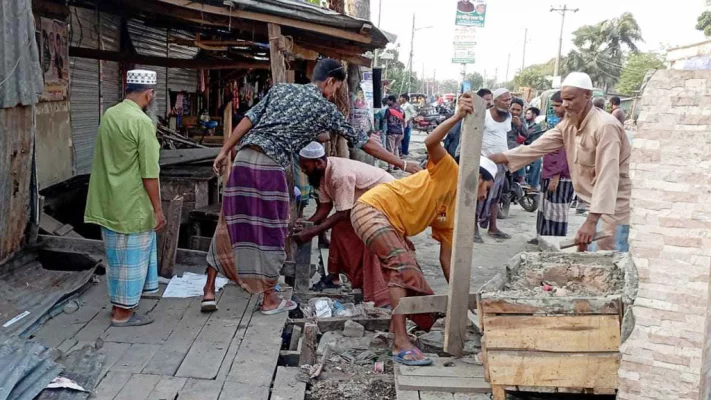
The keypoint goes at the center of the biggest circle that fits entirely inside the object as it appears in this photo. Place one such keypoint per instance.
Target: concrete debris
(340, 344)
(353, 329)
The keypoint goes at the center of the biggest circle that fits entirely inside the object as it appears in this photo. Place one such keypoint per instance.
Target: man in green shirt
(124, 198)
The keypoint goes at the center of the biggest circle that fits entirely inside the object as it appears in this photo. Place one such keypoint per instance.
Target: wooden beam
(302, 272)
(272, 19)
(184, 156)
(464, 225)
(428, 304)
(168, 238)
(107, 55)
(66, 244)
(309, 343)
(339, 54)
(276, 54)
(303, 53)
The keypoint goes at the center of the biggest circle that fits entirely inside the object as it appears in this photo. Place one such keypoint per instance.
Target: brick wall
(668, 355)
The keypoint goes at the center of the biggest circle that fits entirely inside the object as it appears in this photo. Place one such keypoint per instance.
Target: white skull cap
(141, 77)
(500, 92)
(488, 165)
(312, 150)
(579, 80)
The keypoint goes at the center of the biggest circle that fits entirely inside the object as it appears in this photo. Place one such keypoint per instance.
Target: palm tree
(600, 48)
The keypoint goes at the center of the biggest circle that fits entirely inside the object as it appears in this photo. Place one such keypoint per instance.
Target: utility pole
(525, 41)
(562, 12)
(508, 62)
(496, 76)
(423, 78)
(412, 50)
(380, 13)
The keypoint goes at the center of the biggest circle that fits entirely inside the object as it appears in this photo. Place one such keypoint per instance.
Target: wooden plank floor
(185, 354)
(445, 379)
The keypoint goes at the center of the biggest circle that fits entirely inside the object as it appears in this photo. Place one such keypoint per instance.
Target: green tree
(534, 77)
(600, 48)
(704, 23)
(637, 66)
(448, 86)
(476, 80)
(397, 73)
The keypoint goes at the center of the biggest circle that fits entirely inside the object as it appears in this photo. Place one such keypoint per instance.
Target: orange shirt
(427, 198)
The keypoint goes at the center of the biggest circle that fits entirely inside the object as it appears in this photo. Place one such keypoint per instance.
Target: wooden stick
(464, 225)
(568, 243)
(302, 272)
(308, 345)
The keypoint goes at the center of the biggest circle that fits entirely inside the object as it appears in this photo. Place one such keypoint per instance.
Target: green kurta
(126, 152)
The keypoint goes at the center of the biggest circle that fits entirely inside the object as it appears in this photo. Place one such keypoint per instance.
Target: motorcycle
(430, 117)
(514, 192)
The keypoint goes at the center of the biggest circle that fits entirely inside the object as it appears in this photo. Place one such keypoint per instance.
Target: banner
(463, 54)
(471, 13)
(465, 35)
(54, 59)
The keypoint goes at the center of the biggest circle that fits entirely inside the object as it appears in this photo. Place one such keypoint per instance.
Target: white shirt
(494, 140)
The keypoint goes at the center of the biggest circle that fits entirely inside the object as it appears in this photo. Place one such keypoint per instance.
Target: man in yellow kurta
(598, 153)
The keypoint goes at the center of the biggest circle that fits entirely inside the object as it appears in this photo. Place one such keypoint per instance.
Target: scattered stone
(70, 307)
(353, 329)
(382, 341)
(340, 344)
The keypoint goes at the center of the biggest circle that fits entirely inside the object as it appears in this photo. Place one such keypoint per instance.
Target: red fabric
(349, 256)
(520, 139)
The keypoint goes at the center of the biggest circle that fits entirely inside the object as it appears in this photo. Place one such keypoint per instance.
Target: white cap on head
(579, 80)
(500, 92)
(312, 150)
(489, 166)
(141, 77)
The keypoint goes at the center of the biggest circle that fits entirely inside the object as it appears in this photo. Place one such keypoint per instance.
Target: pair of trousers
(405, 146)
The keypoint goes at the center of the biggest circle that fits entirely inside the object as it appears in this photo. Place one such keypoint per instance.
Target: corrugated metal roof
(21, 79)
(310, 13)
(27, 368)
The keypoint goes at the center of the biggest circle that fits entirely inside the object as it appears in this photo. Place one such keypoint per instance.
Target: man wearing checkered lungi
(124, 197)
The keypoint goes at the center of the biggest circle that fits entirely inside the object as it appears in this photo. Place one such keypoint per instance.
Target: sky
(670, 25)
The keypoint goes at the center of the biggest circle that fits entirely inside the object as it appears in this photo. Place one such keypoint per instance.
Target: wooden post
(276, 53)
(302, 271)
(308, 345)
(168, 239)
(460, 273)
(226, 133)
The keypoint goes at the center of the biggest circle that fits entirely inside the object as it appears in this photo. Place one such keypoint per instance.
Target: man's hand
(585, 235)
(160, 221)
(304, 235)
(466, 106)
(499, 158)
(516, 120)
(220, 162)
(413, 168)
(553, 184)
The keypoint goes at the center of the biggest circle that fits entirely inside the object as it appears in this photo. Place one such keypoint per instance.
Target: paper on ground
(191, 285)
(65, 383)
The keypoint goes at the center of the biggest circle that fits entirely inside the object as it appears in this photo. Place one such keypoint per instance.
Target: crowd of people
(370, 214)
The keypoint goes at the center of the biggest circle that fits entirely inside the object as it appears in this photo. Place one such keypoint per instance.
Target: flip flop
(135, 320)
(284, 306)
(208, 306)
(500, 235)
(325, 283)
(400, 358)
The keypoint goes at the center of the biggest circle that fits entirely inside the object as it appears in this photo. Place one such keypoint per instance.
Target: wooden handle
(568, 243)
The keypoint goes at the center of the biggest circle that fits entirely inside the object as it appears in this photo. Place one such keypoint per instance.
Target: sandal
(478, 239)
(401, 358)
(135, 320)
(500, 235)
(208, 305)
(284, 306)
(326, 282)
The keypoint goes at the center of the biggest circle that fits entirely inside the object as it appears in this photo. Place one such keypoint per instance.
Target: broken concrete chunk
(353, 329)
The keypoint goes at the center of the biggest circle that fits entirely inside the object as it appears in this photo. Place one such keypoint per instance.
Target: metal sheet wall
(111, 92)
(150, 41)
(84, 89)
(181, 79)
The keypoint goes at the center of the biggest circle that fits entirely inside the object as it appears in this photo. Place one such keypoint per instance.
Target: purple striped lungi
(249, 242)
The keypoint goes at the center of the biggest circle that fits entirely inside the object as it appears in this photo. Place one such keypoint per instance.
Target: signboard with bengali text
(471, 13)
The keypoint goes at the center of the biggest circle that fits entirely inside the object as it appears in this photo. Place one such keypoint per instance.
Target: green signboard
(471, 13)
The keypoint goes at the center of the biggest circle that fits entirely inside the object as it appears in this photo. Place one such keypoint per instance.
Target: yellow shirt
(424, 199)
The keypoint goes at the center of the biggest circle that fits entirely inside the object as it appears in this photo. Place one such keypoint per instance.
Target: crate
(564, 342)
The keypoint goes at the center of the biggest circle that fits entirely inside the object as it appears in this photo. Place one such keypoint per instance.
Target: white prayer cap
(312, 150)
(579, 80)
(500, 92)
(489, 166)
(141, 77)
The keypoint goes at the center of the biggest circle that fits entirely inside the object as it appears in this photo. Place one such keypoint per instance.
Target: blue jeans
(534, 174)
(622, 233)
(405, 147)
